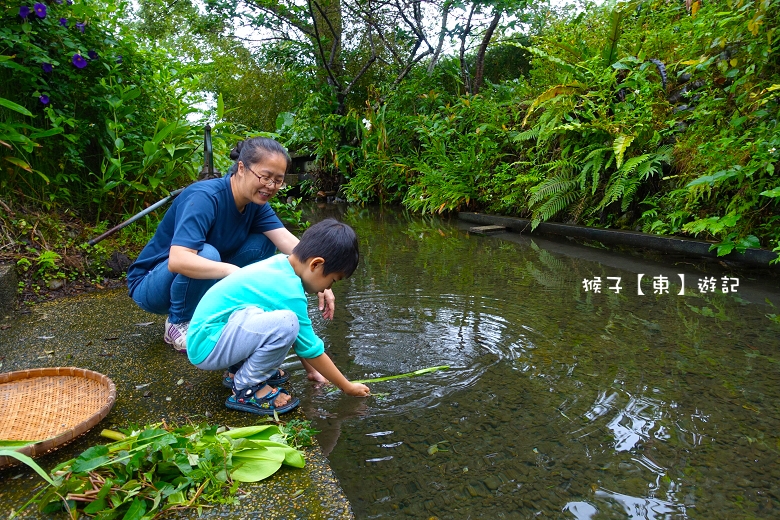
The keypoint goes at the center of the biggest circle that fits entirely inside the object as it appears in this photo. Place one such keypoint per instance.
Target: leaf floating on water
(180, 382)
(48, 352)
(435, 448)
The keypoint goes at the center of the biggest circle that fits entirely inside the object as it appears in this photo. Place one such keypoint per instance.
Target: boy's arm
(324, 365)
(311, 374)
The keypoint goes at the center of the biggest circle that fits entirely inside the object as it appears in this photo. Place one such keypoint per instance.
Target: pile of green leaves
(161, 468)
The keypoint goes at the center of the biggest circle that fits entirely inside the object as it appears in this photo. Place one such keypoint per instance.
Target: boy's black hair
(335, 242)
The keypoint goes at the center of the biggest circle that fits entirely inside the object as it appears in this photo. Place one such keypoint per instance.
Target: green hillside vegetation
(645, 115)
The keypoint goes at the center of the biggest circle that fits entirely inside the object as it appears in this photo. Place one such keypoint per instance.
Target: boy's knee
(287, 323)
(290, 321)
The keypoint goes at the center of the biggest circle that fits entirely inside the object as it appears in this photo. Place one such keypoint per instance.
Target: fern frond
(593, 163)
(620, 145)
(552, 207)
(629, 190)
(630, 165)
(532, 133)
(552, 187)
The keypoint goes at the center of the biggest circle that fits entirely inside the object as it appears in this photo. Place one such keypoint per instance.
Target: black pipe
(666, 244)
(135, 217)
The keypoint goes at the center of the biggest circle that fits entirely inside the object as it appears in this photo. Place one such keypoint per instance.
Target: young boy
(253, 316)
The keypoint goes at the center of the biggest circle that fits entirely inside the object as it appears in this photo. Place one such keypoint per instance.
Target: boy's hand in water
(357, 390)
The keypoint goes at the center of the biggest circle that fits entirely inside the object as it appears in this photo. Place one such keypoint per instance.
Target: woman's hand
(327, 303)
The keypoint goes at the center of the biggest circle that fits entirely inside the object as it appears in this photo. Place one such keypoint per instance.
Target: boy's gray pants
(260, 339)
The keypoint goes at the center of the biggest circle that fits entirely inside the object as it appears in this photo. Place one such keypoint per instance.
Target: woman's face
(260, 181)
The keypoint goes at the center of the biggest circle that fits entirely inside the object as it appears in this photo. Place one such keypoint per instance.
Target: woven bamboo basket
(52, 406)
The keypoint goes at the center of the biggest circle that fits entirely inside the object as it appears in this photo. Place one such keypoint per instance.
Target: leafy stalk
(407, 374)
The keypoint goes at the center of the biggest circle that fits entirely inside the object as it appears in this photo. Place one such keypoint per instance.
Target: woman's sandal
(278, 378)
(245, 400)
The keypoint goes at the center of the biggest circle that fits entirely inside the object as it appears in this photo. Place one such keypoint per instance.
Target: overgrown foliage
(646, 115)
(649, 115)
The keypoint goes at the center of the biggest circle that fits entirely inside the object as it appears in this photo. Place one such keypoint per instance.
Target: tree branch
(332, 78)
(480, 60)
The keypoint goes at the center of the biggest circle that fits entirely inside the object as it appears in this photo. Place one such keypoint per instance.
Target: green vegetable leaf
(92, 458)
(254, 465)
(136, 511)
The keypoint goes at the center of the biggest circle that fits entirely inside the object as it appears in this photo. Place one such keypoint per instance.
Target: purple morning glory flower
(80, 26)
(47, 67)
(40, 9)
(24, 11)
(119, 58)
(64, 22)
(79, 61)
(44, 99)
(92, 54)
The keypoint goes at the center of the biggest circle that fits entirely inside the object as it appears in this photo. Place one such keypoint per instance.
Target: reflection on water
(559, 402)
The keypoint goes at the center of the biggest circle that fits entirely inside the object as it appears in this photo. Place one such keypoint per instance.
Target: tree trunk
(464, 73)
(442, 34)
(479, 67)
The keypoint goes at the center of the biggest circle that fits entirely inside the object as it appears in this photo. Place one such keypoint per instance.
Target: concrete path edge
(752, 257)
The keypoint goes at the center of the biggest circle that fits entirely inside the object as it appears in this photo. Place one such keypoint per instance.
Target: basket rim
(46, 445)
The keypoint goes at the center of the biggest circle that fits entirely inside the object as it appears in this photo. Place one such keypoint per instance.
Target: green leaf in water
(435, 448)
(420, 372)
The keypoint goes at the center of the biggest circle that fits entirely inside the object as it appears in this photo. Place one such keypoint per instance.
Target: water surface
(559, 402)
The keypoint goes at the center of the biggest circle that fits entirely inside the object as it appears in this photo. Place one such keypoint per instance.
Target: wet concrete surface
(106, 332)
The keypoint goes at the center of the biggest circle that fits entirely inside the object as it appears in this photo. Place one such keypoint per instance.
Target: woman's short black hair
(335, 242)
(254, 150)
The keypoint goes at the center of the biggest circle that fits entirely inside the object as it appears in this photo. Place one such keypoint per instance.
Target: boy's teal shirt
(271, 285)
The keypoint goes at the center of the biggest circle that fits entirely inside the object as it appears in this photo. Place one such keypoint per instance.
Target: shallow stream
(559, 402)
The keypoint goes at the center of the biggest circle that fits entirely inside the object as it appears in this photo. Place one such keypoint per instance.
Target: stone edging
(668, 244)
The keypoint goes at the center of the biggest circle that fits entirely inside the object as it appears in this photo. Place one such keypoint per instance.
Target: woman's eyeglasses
(264, 179)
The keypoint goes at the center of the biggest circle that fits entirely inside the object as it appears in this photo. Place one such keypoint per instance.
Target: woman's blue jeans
(164, 292)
